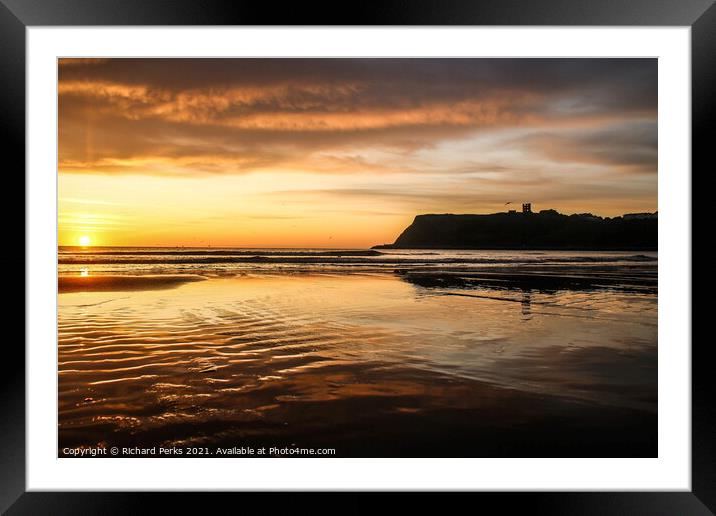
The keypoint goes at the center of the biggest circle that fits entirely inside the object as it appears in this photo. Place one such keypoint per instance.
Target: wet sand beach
(547, 356)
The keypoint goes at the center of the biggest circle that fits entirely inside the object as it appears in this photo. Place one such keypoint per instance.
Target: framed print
(420, 249)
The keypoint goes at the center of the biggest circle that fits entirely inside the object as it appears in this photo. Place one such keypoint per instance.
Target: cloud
(64, 62)
(233, 116)
(406, 82)
(630, 147)
(473, 194)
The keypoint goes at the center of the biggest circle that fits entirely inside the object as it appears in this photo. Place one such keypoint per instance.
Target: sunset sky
(343, 152)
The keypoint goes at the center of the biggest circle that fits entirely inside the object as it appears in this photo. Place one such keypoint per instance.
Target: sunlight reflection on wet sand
(297, 356)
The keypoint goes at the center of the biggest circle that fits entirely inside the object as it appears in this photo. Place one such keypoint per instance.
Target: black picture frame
(17, 15)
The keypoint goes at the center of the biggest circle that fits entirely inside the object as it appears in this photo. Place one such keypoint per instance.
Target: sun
(84, 240)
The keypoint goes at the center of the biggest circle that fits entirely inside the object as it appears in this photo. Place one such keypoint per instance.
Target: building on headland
(527, 207)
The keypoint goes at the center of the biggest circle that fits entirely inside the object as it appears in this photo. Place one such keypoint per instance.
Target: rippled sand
(384, 364)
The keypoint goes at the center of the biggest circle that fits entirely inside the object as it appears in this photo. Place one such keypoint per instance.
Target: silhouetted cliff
(547, 229)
